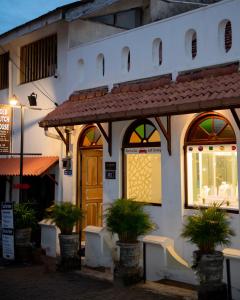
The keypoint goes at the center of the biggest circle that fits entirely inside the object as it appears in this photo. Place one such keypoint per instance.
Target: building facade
(151, 113)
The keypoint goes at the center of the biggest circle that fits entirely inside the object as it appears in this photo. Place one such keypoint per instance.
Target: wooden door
(91, 186)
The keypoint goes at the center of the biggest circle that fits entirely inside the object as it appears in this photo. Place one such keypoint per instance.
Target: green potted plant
(24, 221)
(128, 219)
(65, 215)
(207, 229)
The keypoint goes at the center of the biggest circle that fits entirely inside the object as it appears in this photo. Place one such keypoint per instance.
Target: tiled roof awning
(32, 166)
(217, 88)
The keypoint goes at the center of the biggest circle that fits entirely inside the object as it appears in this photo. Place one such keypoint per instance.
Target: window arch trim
(144, 140)
(213, 137)
(93, 142)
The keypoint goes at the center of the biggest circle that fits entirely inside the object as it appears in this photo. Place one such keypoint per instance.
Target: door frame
(80, 150)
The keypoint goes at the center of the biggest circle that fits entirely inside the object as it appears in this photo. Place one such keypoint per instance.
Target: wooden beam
(61, 135)
(236, 117)
(166, 132)
(51, 177)
(107, 137)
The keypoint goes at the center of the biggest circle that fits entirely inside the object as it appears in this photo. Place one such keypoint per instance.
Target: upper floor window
(39, 59)
(157, 52)
(126, 59)
(101, 65)
(4, 59)
(142, 162)
(191, 43)
(228, 36)
(211, 161)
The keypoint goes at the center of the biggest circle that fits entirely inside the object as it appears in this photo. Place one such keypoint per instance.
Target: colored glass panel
(200, 134)
(86, 142)
(135, 138)
(207, 125)
(99, 142)
(90, 135)
(140, 130)
(227, 133)
(149, 130)
(155, 137)
(218, 125)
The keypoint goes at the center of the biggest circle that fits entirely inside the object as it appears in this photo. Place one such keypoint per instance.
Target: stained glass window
(211, 158)
(142, 133)
(91, 137)
(142, 162)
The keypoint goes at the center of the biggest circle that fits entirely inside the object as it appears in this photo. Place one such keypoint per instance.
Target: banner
(5, 128)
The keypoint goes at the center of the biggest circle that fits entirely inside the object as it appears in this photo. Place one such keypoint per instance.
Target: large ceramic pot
(69, 245)
(127, 271)
(209, 269)
(23, 237)
(129, 254)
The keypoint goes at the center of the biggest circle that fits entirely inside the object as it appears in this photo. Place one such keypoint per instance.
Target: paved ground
(32, 283)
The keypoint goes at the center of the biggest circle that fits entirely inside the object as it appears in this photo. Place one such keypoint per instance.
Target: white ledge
(93, 229)
(231, 253)
(47, 222)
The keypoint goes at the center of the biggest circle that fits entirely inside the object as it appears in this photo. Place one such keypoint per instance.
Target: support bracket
(66, 139)
(236, 117)
(107, 136)
(166, 132)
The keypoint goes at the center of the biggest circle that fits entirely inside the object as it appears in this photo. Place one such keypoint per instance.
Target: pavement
(31, 282)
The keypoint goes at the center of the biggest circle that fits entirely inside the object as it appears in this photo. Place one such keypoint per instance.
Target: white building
(153, 114)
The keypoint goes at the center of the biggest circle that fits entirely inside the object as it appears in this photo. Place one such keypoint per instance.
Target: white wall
(205, 21)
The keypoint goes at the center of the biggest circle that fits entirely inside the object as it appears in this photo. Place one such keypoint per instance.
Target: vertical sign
(5, 128)
(7, 231)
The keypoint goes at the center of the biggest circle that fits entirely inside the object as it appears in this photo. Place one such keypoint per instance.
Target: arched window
(157, 52)
(91, 137)
(191, 43)
(81, 70)
(211, 162)
(142, 162)
(228, 36)
(126, 59)
(225, 35)
(101, 65)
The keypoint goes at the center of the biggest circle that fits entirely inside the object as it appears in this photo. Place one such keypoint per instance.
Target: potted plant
(65, 215)
(24, 221)
(128, 219)
(207, 229)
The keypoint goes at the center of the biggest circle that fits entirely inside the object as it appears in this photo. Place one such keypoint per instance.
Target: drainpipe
(51, 135)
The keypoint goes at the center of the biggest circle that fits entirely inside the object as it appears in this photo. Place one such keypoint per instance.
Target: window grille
(39, 59)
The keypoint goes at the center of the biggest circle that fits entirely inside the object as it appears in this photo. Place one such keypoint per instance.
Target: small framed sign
(110, 170)
(8, 231)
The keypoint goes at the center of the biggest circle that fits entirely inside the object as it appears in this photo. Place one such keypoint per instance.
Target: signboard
(68, 172)
(110, 170)
(147, 150)
(21, 186)
(7, 230)
(5, 128)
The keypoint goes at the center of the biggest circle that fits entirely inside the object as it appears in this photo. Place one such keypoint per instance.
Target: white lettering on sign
(3, 111)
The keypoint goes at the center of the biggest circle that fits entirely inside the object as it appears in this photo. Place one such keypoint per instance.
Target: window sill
(232, 211)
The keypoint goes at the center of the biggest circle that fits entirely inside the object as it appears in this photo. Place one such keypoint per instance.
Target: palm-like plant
(24, 216)
(128, 219)
(208, 228)
(65, 215)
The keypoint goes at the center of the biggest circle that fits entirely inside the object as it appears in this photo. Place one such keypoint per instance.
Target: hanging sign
(21, 186)
(7, 231)
(5, 128)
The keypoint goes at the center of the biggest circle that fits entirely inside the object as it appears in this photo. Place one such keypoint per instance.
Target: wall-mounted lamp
(32, 99)
(13, 101)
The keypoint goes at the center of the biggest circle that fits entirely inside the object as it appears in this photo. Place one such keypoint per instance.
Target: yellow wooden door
(92, 186)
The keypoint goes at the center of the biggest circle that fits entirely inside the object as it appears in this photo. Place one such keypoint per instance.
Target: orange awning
(32, 166)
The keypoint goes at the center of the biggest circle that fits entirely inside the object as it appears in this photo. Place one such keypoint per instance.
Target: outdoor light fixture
(32, 99)
(13, 101)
